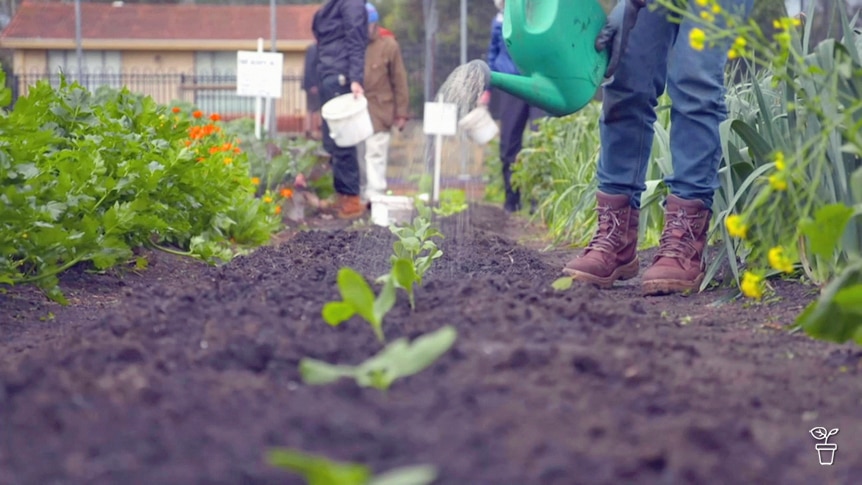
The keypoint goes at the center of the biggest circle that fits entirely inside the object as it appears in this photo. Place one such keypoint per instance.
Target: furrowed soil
(187, 374)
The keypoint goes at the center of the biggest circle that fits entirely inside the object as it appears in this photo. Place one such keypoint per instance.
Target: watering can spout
(563, 30)
(537, 90)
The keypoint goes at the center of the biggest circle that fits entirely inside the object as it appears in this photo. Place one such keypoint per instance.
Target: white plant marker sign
(259, 74)
(441, 119)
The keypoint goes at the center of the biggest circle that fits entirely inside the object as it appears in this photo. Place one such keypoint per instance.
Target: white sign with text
(259, 74)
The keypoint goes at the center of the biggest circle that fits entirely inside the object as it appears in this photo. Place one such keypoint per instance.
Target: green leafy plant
(88, 177)
(414, 251)
(398, 359)
(358, 299)
(452, 201)
(317, 470)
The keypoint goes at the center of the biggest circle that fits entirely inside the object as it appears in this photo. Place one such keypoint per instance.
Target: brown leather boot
(349, 206)
(612, 254)
(679, 264)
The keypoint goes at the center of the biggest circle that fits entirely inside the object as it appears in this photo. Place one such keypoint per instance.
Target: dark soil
(187, 374)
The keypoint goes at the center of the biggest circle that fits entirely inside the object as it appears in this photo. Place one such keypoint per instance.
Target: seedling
(563, 283)
(321, 471)
(414, 251)
(452, 201)
(358, 299)
(398, 359)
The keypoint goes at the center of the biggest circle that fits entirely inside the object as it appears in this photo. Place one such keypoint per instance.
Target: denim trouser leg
(696, 89)
(659, 52)
(345, 164)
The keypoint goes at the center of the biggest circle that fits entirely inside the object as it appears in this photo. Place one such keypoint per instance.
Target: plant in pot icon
(825, 450)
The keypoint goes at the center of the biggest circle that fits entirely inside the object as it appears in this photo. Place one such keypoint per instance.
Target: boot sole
(667, 287)
(624, 272)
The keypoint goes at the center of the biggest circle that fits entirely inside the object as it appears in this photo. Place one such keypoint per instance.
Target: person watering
(650, 52)
(341, 30)
(515, 113)
(388, 100)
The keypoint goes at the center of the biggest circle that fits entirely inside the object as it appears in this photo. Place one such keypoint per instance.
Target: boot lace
(607, 238)
(678, 238)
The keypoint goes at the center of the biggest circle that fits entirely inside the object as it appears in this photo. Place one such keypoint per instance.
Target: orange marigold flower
(278, 209)
(255, 180)
(286, 193)
(237, 150)
(197, 113)
(213, 150)
(215, 117)
(226, 146)
(200, 159)
(228, 160)
(175, 109)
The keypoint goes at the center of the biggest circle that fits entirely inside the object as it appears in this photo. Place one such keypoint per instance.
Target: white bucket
(348, 119)
(386, 209)
(479, 124)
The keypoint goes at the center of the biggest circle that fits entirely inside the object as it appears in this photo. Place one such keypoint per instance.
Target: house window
(99, 68)
(215, 69)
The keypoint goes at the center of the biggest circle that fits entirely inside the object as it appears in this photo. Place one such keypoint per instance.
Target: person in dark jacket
(515, 113)
(311, 86)
(341, 30)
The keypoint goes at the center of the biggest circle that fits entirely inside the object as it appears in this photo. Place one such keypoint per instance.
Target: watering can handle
(514, 13)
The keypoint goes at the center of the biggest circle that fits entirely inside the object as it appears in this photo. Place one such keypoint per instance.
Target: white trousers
(376, 156)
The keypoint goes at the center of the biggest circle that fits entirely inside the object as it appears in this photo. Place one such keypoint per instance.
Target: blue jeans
(659, 54)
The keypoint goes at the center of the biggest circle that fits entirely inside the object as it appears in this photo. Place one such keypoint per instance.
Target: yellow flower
(779, 161)
(732, 54)
(267, 199)
(228, 160)
(779, 261)
(777, 182)
(706, 16)
(255, 180)
(716, 8)
(752, 285)
(739, 43)
(697, 39)
(702, 3)
(735, 226)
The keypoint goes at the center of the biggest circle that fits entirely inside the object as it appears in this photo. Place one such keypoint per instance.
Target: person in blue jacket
(515, 113)
(341, 30)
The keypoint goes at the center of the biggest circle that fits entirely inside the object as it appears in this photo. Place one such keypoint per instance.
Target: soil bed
(187, 374)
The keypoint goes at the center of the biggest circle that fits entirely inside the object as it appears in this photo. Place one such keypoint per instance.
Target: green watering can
(552, 42)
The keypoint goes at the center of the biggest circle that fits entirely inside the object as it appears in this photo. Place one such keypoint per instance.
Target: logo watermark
(826, 450)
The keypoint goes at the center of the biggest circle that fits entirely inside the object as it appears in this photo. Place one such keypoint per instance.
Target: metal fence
(209, 93)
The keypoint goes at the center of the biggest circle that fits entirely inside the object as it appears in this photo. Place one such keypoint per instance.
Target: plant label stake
(441, 119)
(259, 74)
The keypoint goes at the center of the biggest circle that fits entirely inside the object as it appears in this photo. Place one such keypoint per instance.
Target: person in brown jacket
(386, 90)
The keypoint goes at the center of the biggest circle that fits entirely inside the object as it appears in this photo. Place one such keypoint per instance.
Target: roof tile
(43, 20)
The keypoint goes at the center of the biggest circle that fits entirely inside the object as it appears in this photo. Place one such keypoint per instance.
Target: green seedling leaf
(825, 230)
(316, 372)
(563, 284)
(405, 277)
(424, 351)
(317, 470)
(382, 304)
(398, 359)
(408, 475)
(356, 293)
(337, 312)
